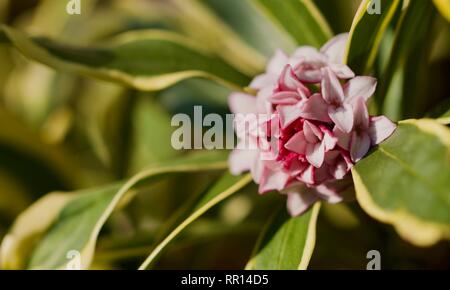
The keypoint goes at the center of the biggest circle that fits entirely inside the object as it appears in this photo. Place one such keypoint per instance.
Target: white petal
(273, 180)
(359, 146)
(241, 103)
(240, 160)
(332, 91)
(342, 117)
(315, 154)
(300, 202)
(342, 71)
(297, 143)
(335, 48)
(277, 62)
(359, 87)
(380, 128)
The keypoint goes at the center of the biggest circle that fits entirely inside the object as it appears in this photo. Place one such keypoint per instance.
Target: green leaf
(366, 34)
(403, 91)
(146, 60)
(441, 112)
(22, 151)
(150, 146)
(225, 187)
(300, 18)
(443, 7)
(252, 25)
(405, 181)
(60, 223)
(286, 243)
(201, 25)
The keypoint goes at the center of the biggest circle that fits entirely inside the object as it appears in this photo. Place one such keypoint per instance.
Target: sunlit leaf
(75, 223)
(201, 25)
(300, 18)
(225, 187)
(405, 181)
(145, 60)
(286, 242)
(252, 25)
(366, 34)
(444, 8)
(151, 134)
(403, 89)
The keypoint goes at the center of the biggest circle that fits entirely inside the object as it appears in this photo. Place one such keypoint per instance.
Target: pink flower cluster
(316, 126)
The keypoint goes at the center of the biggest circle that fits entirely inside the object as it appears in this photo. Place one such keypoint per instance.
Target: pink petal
(359, 87)
(304, 92)
(341, 71)
(359, 146)
(246, 125)
(331, 88)
(300, 202)
(338, 165)
(285, 98)
(240, 160)
(315, 108)
(322, 174)
(329, 140)
(312, 133)
(343, 139)
(297, 143)
(257, 169)
(331, 156)
(268, 148)
(297, 167)
(263, 104)
(335, 48)
(361, 115)
(380, 129)
(308, 53)
(347, 159)
(308, 176)
(315, 154)
(308, 75)
(339, 170)
(272, 180)
(263, 80)
(288, 80)
(241, 103)
(288, 114)
(342, 117)
(274, 126)
(329, 193)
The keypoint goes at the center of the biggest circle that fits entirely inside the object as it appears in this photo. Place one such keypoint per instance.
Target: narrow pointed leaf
(75, 219)
(286, 243)
(226, 186)
(404, 86)
(443, 7)
(251, 24)
(367, 32)
(300, 18)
